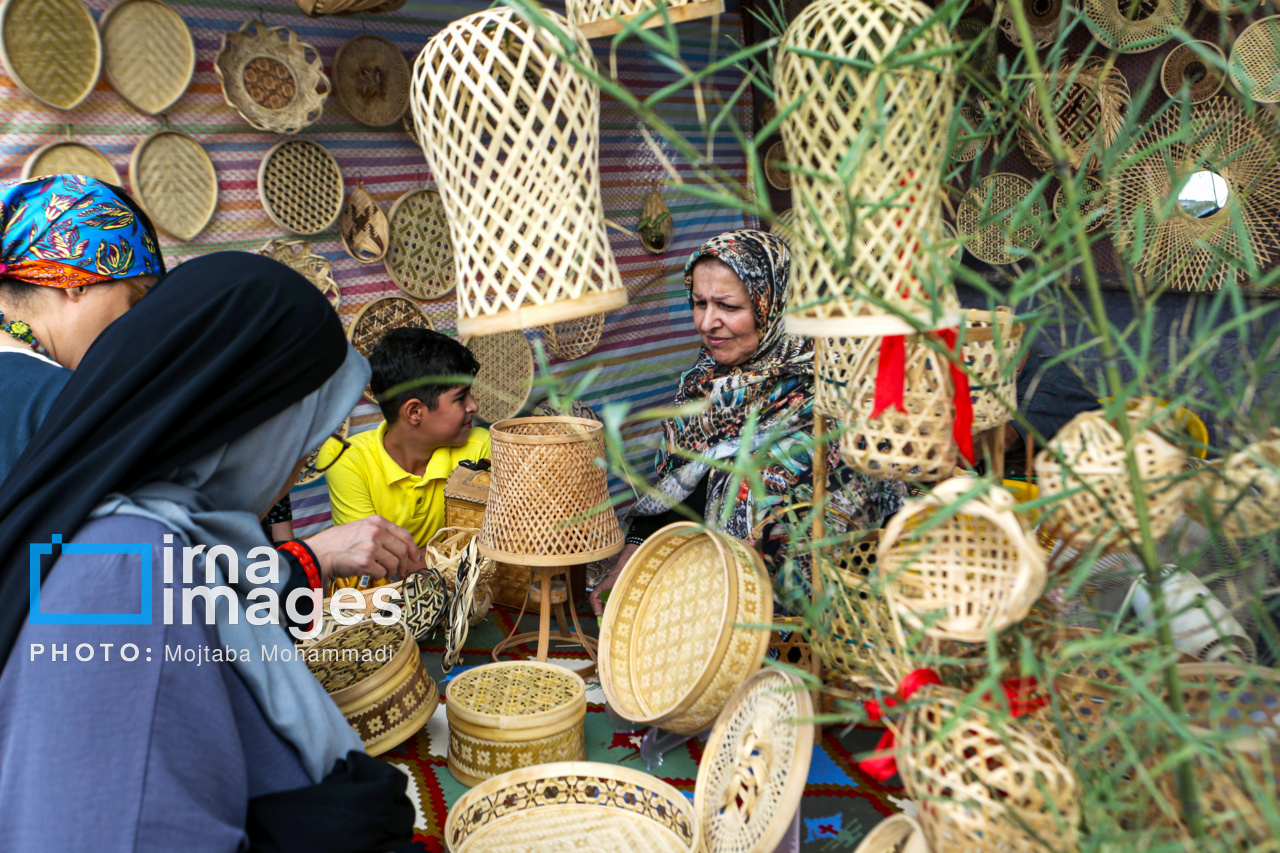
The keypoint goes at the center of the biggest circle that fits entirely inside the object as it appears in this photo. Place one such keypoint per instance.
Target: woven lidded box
(503, 716)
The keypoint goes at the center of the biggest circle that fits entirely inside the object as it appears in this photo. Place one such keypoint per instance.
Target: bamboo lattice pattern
(991, 217)
(300, 185)
(1157, 22)
(420, 257)
(991, 345)
(1090, 99)
(574, 338)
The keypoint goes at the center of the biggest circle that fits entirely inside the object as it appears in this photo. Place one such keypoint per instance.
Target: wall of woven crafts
(213, 182)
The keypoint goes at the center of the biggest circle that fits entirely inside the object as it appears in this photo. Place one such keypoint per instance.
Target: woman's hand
(371, 546)
(607, 582)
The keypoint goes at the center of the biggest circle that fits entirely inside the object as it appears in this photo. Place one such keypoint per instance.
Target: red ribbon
(891, 379)
(1018, 692)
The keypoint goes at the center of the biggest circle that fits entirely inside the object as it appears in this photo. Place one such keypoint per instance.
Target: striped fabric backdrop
(645, 345)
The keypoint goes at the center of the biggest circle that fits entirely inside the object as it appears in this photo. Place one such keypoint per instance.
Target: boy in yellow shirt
(398, 471)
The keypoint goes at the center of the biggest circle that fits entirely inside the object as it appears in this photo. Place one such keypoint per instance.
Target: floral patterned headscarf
(71, 230)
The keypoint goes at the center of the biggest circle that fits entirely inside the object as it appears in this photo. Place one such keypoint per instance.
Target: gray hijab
(216, 500)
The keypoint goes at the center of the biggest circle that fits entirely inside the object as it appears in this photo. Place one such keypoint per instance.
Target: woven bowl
(687, 624)
(297, 256)
(898, 834)
(274, 81)
(1185, 58)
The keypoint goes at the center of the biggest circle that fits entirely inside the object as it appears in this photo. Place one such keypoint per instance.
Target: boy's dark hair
(404, 355)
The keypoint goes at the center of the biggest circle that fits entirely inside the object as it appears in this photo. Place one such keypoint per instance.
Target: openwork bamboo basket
(1244, 493)
(961, 567)
(1093, 206)
(653, 208)
(176, 183)
(991, 344)
(1101, 506)
(363, 227)
(149, 55)
(300, 184)
(70, 158)
(1183, 68)
(506, 374)
(687, 623)
(1042, 19)
(893, 219)
(595, 18)
(274, 81)
(297, 255)
(549, 496)
(386, 701)
(593, 806)
(574, 338)
(1255, 60)
(420, 252)
(466, 494)
(51, 49)
(443, 552)
(967, 150)
(986, 218)
(371, 79)
(504, 716)
(1091, 99)
(512, 133)
(1109, 23)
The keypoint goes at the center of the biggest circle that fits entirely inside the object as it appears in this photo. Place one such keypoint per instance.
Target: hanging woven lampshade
(512, 133)
(863, 260)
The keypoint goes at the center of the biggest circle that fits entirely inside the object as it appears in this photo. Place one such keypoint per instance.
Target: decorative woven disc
(755, 764)
(1042, 19)
(1157, 21)
(984, 218)
(175, 182)
(574, 338)
(363, 227)
(148, 54)
(1184, 67)
(381, 316)
(1255, 61)
(420, 252)
(506, 374)
(274, 81)
(51, 49)
(371, 79)
(300, 185)
(426, 598)
(343, 430)
(1093, 207)
(1090, 105)
(297, 255)
(777, 178)
(70, 158)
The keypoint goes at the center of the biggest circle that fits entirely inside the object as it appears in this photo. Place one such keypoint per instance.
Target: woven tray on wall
(381, 316)
(506, 374)
(1090, 101)
(654, 207)
(419, 250)
(149, 55)
(595, 18)
(274, 81)
(363, 227)
(297, 255)
(1093, 207)
(984, 216)
(1184, 66)
(1255, 61)
(573, 338)
(51, 49)
(70, 158)
(1110, 25)
(967, 150)
(300, 184)
(774, 158)
(1042, 21)
(176, 183)
(371, 79)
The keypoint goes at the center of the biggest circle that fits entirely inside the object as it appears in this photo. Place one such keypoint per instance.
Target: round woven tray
(51, 49)
(371, 79)
(148, 54)
(274, 81)
(1184, 67)
(176, 183)
(506, 374)
(773, 158)
(1091, 102)
(755, 764)
(363, 227)
(297, 255)
(1042, 19)
(420, 250)
(1159, 21)
(70, 158)
(381, 316)
(1255, 61)
(300, 184)
(1093, 207)
(318, 8)
(984, 215)
(574, 338)
(584, 804)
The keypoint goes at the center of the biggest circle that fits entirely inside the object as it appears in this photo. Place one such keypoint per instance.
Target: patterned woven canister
(513, 714)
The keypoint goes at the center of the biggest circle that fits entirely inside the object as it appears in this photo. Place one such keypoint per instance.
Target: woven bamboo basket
(896, 207)
(900, 833)
(506, 374)
(988, 213)
(548, 496)
(1101, 506)
(297, 256)
(1090, 99)
(1093, 207)
(176, 183)
(1243, 493)
(1163, 19)
(363, 227)
(319, 8)
(274, 81)
(528, 234)
(371, 80)
(1184, 68)
(70, 158)
(991, 343)
(466, 494)
(444, 549)
(961, 568)
(589, 805)
(420, 251)
(574, 338)
(1042, 18)
(687, 623)
(787, 645)
(463, 603)
(51, 49)
(774, 159)
(386, 698)
(653, 208)
(595, 18)
(149, 55)
(1187, 255)
(300, 184)
(504, 716)
(1255, 61)
(971, 29)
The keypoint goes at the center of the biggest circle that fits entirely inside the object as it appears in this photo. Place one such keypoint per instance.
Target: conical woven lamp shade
(864, 248)
(512, 134)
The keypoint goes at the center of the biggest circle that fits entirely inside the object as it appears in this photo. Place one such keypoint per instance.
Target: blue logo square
(142, 549)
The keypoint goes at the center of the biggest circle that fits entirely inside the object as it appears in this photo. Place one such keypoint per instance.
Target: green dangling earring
(22, 332)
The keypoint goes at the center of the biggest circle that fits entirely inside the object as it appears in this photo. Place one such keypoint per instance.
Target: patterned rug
(840, 805)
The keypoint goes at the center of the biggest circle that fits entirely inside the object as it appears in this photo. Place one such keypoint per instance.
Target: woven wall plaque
(1093, 206)
(420, 250)
(986, 215)
(574, 338)
(1042, 20)
(506, 374)
(518, 170)
(655, 207)
(70, 158)
(595, 18)
(274, 81)
(774, 158)
(1185, 67)
(1158, 22)
(300, 185)
(297, 255)
(1090, 101)
(148, 54)
(1255, 61)
(175, 182)
(371, 79)
(381, 316)
(51, 49)
(363, 227)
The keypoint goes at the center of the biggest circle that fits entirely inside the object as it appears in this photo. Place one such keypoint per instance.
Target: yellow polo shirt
(367, 481)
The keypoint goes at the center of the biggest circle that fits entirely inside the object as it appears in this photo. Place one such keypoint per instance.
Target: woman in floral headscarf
(739, 288)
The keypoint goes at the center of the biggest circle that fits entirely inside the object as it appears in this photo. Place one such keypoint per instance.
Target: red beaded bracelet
(306, 557)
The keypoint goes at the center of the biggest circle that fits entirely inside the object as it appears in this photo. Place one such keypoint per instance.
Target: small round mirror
(1204, 194)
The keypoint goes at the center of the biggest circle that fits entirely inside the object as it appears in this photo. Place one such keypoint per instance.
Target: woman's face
(723, 315)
